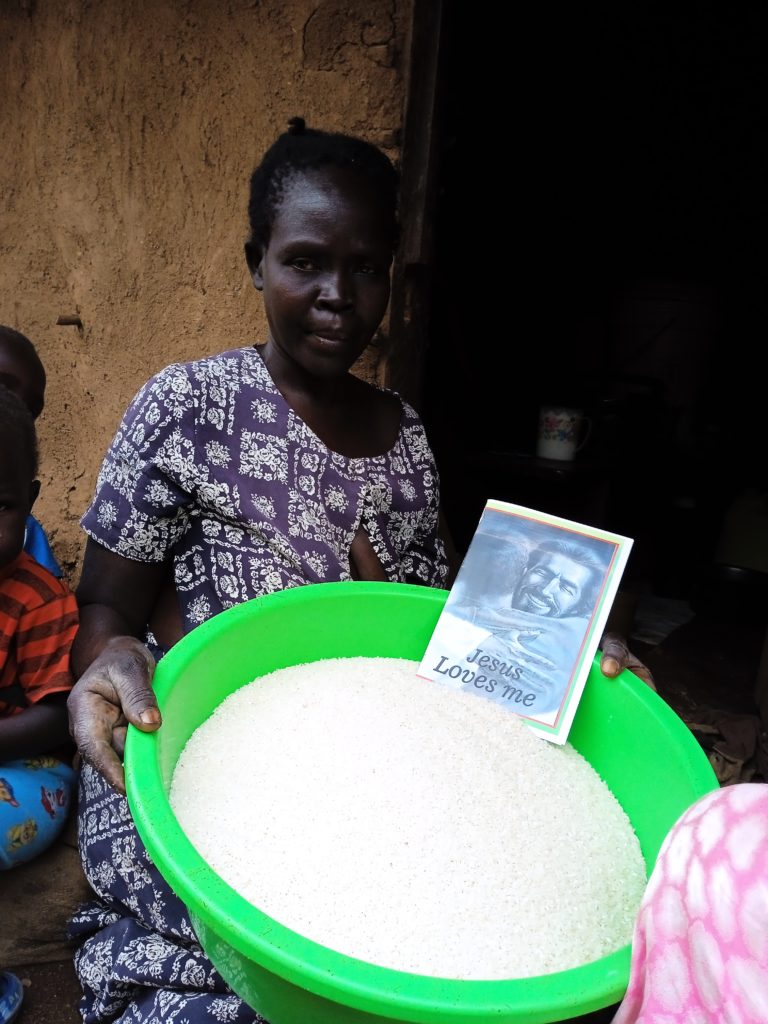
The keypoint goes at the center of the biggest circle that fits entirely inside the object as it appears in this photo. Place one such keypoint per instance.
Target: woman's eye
(302, 263)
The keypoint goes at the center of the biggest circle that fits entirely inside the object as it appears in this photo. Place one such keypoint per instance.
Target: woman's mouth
(330, 339)
(330, 335)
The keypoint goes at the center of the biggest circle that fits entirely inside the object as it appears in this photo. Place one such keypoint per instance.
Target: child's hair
(22, 344)
(17, 429)
(304, 149)
(22, 348)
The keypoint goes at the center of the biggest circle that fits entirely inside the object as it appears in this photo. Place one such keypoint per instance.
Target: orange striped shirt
(38, 622)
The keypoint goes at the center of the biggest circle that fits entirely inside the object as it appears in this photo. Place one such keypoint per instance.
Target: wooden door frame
(413, 268)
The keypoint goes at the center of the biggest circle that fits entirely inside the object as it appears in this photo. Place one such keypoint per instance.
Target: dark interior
(601, 234)
(601, 238)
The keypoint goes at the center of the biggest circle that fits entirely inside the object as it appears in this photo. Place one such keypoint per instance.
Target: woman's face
(325, 271)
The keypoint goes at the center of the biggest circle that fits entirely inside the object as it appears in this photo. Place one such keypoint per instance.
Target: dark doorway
(600, 241)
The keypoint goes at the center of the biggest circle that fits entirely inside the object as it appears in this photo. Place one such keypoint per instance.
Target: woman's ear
(253, 257)
(34, 490)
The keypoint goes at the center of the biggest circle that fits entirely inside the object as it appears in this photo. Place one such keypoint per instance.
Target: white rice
(409, 825)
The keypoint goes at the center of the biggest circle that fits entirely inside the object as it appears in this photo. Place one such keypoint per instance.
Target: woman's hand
(115, 597)
(114, 690)
(616, 656)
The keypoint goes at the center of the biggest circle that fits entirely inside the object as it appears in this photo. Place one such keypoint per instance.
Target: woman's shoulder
(217, 365)
(384, 410)
(397, 421)
(390, 399)
(411, 423)
(232, 368)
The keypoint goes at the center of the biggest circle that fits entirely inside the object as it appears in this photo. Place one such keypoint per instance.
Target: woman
(248, 472)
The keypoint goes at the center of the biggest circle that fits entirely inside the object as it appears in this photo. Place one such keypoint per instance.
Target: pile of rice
(410, 825)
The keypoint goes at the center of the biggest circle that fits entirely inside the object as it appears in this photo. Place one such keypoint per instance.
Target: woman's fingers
(102, 756)
(91, 723)
(128, 666)
(118, 740)
(616, 656)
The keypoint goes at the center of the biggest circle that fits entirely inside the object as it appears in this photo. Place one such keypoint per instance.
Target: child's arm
(38, 728)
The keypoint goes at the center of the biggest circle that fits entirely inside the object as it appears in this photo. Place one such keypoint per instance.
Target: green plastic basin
(642, 750)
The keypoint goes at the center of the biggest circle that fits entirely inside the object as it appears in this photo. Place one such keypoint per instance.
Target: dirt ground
(51, 994)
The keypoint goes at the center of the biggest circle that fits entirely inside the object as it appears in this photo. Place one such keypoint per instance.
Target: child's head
(302, 150)
(18, 471)
(323, 233)
(21, 369)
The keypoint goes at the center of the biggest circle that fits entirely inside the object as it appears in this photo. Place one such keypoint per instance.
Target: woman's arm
(115, 596)
(37, 729)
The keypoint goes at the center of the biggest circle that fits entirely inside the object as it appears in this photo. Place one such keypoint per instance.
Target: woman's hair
(302, 149)
(17, 429)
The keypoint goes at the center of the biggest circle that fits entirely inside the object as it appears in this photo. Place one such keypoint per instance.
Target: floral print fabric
(700, 948)
(212, 467)
(139, 960)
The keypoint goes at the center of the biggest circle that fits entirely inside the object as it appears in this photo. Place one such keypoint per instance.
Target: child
(22, 372)
(38, 621)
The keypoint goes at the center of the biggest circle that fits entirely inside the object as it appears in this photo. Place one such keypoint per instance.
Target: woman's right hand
(114, 690)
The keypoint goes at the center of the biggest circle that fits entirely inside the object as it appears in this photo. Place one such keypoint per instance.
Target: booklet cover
(525, 615)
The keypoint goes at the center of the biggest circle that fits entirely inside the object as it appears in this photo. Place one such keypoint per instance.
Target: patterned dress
(211, 468)
(700, 948)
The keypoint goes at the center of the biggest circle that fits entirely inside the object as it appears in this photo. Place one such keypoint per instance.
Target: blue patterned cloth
(36, 795)
(139, 961)
(11, 997)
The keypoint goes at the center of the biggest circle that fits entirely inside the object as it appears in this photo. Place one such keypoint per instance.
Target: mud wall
(130, 131)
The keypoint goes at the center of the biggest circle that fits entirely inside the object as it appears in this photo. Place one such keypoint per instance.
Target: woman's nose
(336, 291)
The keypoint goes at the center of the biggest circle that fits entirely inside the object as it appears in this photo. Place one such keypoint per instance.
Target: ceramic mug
(562, 432)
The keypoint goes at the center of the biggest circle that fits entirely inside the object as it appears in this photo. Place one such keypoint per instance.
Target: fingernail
(150, 716)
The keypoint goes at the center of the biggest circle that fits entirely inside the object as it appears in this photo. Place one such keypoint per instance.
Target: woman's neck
(349, 416)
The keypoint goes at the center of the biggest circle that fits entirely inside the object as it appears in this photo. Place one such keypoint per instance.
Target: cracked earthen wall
(130, 130)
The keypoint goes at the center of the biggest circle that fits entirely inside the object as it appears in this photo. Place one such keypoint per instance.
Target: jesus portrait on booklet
(524, 617)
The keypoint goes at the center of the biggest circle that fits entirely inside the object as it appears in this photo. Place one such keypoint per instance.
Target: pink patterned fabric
(700, 949)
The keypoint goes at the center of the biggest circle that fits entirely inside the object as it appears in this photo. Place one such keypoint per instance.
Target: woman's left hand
(616, 656)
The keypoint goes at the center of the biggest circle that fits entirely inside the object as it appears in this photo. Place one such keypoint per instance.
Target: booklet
(525, 615)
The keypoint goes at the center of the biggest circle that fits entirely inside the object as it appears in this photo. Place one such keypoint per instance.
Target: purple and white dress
(212, 469)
